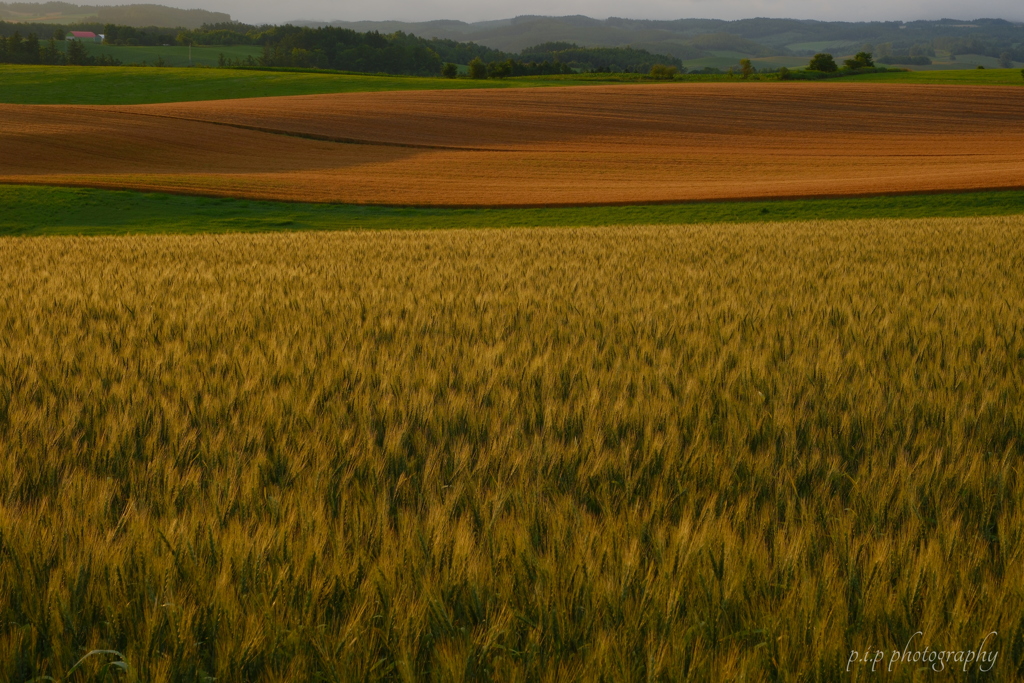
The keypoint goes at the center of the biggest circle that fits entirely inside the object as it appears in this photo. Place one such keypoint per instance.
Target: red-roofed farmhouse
(85, 36)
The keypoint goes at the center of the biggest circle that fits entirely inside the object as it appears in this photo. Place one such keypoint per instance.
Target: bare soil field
(556, 146)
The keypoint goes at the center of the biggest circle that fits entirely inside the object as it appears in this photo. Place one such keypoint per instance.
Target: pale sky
(274, 11)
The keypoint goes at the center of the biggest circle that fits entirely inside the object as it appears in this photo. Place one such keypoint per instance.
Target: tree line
(15, 49)
(402, 53)
(340, 49)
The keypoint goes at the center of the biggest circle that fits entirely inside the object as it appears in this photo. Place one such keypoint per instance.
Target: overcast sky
(478, 10)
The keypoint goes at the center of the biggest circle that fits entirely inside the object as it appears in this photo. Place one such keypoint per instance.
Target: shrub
(785, 74)
(76, 53)
(823, 62)
(662, 71)
(862, 60)
(500, 69)
(477, 68)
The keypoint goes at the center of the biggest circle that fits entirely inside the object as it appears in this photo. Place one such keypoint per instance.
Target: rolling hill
(124, 15)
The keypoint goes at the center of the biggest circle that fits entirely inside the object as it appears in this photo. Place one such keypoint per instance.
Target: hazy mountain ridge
(703, 43)
(688, 38)
(125, 15)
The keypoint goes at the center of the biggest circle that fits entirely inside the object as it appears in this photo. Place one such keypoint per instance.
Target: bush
(823, 62)
(500, 69)
(785, 74)
(76, 53)
(477, 68)
(862, 60)
(662, 71)
(449, 70)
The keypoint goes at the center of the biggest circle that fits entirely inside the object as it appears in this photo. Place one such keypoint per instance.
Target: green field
(31, 210)
(832, 46)
(137, 85)
(724, 59)
(172, 55)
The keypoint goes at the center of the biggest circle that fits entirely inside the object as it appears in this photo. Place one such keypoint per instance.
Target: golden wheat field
(537, 146)
(708, 453)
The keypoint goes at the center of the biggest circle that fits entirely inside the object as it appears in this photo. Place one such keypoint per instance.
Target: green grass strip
(39, 210)
(100, 85)
(140, 85)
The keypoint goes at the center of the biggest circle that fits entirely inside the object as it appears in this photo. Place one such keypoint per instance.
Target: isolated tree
(862, 60)
(664, 72)
(824, 62)
(51, 54)
(15, 47)
(31, 49)
(746, 68)
(59, 34)
(1006, 61)
(477, 68)
(449, 70)
(76, 53)
(499, 69)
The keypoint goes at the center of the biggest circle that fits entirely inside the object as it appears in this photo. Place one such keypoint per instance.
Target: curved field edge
(701, 453)
(45, 210)
(20, 84)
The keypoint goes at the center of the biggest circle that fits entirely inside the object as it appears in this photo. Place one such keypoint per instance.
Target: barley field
(705, 452)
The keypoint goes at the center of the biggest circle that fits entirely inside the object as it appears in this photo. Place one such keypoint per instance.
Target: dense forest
(332, 48)
(616, 59)
(18, 49)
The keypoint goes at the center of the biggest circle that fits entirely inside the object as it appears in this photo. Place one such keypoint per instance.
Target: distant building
(85, 37)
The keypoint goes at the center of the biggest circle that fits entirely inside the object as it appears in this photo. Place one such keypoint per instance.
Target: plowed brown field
(592, 145)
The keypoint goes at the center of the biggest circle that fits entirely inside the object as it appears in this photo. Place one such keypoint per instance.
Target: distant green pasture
(138, 85)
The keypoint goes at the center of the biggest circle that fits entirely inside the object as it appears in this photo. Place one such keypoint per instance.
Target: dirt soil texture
(536, 147)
